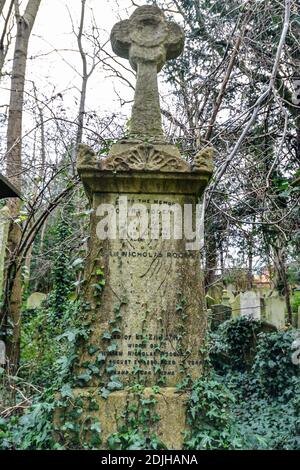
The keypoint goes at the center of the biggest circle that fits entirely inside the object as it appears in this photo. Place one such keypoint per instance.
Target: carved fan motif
(145, 157)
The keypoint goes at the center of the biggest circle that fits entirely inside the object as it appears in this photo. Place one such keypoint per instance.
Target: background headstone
(35, 300)
(209, 301)
(220, 313)
(236, 306)
(275, 311)
(250, 305)
(216, 292)
(225, 298)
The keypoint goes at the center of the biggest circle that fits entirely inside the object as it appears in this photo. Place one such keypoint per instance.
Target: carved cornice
(145, 157)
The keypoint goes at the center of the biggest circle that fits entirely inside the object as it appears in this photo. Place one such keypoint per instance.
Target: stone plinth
(145, 304)
(169, 406)
(150, 321)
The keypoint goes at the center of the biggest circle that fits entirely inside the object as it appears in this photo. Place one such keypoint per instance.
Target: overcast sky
(53, 30)
(54, 62)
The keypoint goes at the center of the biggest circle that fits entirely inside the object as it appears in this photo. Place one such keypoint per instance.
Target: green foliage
(62, 274)
(234, 344)
(243, 406)
(132, 439)
(47, 347)
(266, 404)
(268, 423)
(48, 353)
(264, 421)
(136, 421)
(209, 417)
(273, 365)
(33, 429)
(295, 302)
(235, 406)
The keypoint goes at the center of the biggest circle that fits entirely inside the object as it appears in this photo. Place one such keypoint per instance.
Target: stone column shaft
(146, 116)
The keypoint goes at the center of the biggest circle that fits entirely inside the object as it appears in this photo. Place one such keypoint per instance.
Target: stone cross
(147, 40)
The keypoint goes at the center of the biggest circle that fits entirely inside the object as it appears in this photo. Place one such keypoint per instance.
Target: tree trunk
(13, 291)
(286, 285)
(280, 266)
(211, 261)
(5, 37)
(222, 263)
(250, 262)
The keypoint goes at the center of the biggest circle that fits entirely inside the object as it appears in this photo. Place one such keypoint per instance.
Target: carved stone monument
(144, 297)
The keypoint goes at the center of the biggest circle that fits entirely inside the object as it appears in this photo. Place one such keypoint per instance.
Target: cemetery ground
(248, 397)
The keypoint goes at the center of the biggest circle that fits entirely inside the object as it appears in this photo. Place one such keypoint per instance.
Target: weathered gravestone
(144, 292)
(236, 306)
(35, 300)
(250, 305)
(229, 293)
(226, 298)
(220, 313)
(275, 310)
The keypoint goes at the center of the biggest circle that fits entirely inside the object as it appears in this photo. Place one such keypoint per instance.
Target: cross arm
(120, 38)
(175, 41)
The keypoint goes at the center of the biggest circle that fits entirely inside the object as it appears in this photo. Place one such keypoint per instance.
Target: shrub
(273, 364)
(234, 344)
(209, 417)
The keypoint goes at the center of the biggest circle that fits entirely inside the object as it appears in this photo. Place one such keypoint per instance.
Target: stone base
(170, 406)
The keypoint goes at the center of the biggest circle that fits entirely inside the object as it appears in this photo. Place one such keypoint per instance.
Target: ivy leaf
(66, 391)
(94, 369)
(101, 357)
(95, 427)
(85, 377)
(78, 262)
(114, 385)
(97, 286)
(104, 392)
(106, 335)
(116, 331)
(92, 349)
(70, 334)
